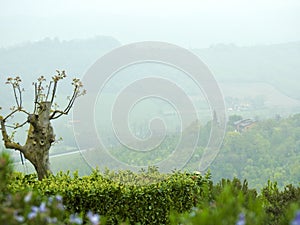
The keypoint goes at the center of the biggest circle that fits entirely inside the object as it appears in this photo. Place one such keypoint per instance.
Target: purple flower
(52, 220)
(31, 215)
(296, 221)
(60, 207)
(241, 220)
(50, 200)
(28, 197)
(59, 198)
(94, 218)
(34, 209)
(18, 218)
(75, 219)
(42, 207)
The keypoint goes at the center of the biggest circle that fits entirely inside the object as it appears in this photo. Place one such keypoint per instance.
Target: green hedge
(141, 198)
(146, 203)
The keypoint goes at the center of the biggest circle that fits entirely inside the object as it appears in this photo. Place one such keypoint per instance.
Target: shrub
(144, 203)
(230, 206)
(278, 202)
(27, 206)
(143, 198)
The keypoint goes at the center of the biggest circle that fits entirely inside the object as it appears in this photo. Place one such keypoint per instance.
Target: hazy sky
(189, 23)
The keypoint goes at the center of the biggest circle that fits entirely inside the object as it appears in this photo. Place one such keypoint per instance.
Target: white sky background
(189, 23)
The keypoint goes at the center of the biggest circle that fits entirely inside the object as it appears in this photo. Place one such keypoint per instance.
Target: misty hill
(31, 60)
(278, 65)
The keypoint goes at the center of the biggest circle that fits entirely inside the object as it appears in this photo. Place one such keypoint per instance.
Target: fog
(251, 55)
(192, 23)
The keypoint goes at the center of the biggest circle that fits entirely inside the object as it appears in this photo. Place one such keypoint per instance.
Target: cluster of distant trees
(268, 150)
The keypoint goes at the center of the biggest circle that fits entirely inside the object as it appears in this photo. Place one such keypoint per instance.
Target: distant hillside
(278, 65)
(31, 60)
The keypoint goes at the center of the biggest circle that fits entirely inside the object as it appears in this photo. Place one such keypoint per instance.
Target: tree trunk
(39, 139)
(40, 134)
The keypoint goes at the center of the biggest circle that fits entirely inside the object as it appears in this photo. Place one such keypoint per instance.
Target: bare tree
(40, 135)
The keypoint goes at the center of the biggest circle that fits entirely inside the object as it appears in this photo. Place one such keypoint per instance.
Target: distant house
(244, 124)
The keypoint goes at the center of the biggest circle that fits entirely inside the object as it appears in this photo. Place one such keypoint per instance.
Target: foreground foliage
(145, 198)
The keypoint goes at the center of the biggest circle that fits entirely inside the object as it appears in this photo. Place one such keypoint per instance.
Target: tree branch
(72, 100)
(49, 90)
(68, 108)
(20, 96)
(15, 94)
(52, 117)
(15, 83)
(14, 111)
(18, 125)
(7, 142)
(54, 91)
(35, 97)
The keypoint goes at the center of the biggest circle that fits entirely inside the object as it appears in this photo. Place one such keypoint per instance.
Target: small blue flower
(50, 200)
(52, 220)
(60, 207)
(19, 218)
(31, 215)
(75, 219)
(28, 197)
(296, 221)
(34, 209)
(59, 198)
(193, 212)
(43, 207)
(241, 220)
(94, 218)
